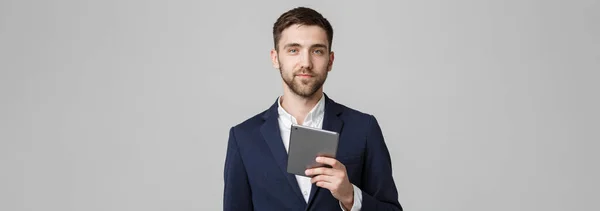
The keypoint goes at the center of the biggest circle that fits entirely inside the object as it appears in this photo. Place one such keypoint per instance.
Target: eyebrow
(298, 45)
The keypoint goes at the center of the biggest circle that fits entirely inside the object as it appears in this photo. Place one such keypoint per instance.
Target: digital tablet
(306, 143)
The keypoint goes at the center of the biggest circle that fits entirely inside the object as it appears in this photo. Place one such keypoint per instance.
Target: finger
(320, 170)
(327, 185)
(329, 161)
(323, 178)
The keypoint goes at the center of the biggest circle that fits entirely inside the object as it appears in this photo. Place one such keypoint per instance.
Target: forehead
(304, 35)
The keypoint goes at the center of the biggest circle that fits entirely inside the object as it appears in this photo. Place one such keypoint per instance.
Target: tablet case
(306, 143)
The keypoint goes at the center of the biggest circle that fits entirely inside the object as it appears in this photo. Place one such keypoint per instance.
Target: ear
(331, 58)
(274, 59)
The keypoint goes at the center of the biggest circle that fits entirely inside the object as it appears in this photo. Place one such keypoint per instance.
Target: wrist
(349, 201)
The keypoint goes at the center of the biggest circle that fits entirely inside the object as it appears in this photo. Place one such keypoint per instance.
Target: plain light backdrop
(126, 104)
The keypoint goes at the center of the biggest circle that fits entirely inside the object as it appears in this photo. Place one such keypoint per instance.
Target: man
(255, 165)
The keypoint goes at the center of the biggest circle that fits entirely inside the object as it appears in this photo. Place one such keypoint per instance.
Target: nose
(305, 61)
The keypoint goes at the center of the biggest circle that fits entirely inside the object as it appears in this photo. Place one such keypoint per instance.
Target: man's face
(303, 58)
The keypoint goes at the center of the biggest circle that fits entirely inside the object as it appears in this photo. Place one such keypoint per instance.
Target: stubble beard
(305, 88)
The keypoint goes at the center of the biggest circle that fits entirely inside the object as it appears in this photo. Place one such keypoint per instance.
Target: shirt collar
(313, 117)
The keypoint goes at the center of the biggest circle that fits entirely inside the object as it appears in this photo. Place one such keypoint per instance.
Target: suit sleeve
(237, 192)
(379, 189)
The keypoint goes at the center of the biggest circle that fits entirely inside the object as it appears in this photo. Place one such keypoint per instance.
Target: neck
(299, 106)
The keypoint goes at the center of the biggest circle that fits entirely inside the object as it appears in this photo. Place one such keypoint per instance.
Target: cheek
(286, 69)
(283, 61)
(288, 65)
(321, 62)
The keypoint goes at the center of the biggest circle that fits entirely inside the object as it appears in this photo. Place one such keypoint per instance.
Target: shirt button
(304, 192)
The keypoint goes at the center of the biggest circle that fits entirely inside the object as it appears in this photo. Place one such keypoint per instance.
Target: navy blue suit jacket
(255, 173)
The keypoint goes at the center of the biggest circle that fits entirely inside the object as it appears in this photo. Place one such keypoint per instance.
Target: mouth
(304, 75)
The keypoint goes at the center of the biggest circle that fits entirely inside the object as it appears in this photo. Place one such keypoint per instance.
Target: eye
(292, 50)
(318, 51)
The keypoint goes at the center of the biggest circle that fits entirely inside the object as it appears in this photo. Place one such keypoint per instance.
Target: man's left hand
(334, 179)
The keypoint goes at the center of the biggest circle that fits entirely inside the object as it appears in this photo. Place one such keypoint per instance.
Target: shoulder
(360, 122)
(252, 123)
(354, 115)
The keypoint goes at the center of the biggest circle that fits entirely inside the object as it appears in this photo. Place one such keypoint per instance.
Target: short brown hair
(302, 16)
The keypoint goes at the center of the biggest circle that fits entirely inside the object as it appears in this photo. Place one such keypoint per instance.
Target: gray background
(126, 104)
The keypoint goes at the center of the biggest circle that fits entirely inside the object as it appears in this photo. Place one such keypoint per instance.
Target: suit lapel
(331, 122)
(272, 135)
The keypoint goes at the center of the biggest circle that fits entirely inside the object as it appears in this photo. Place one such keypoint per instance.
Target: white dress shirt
(313, 119)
